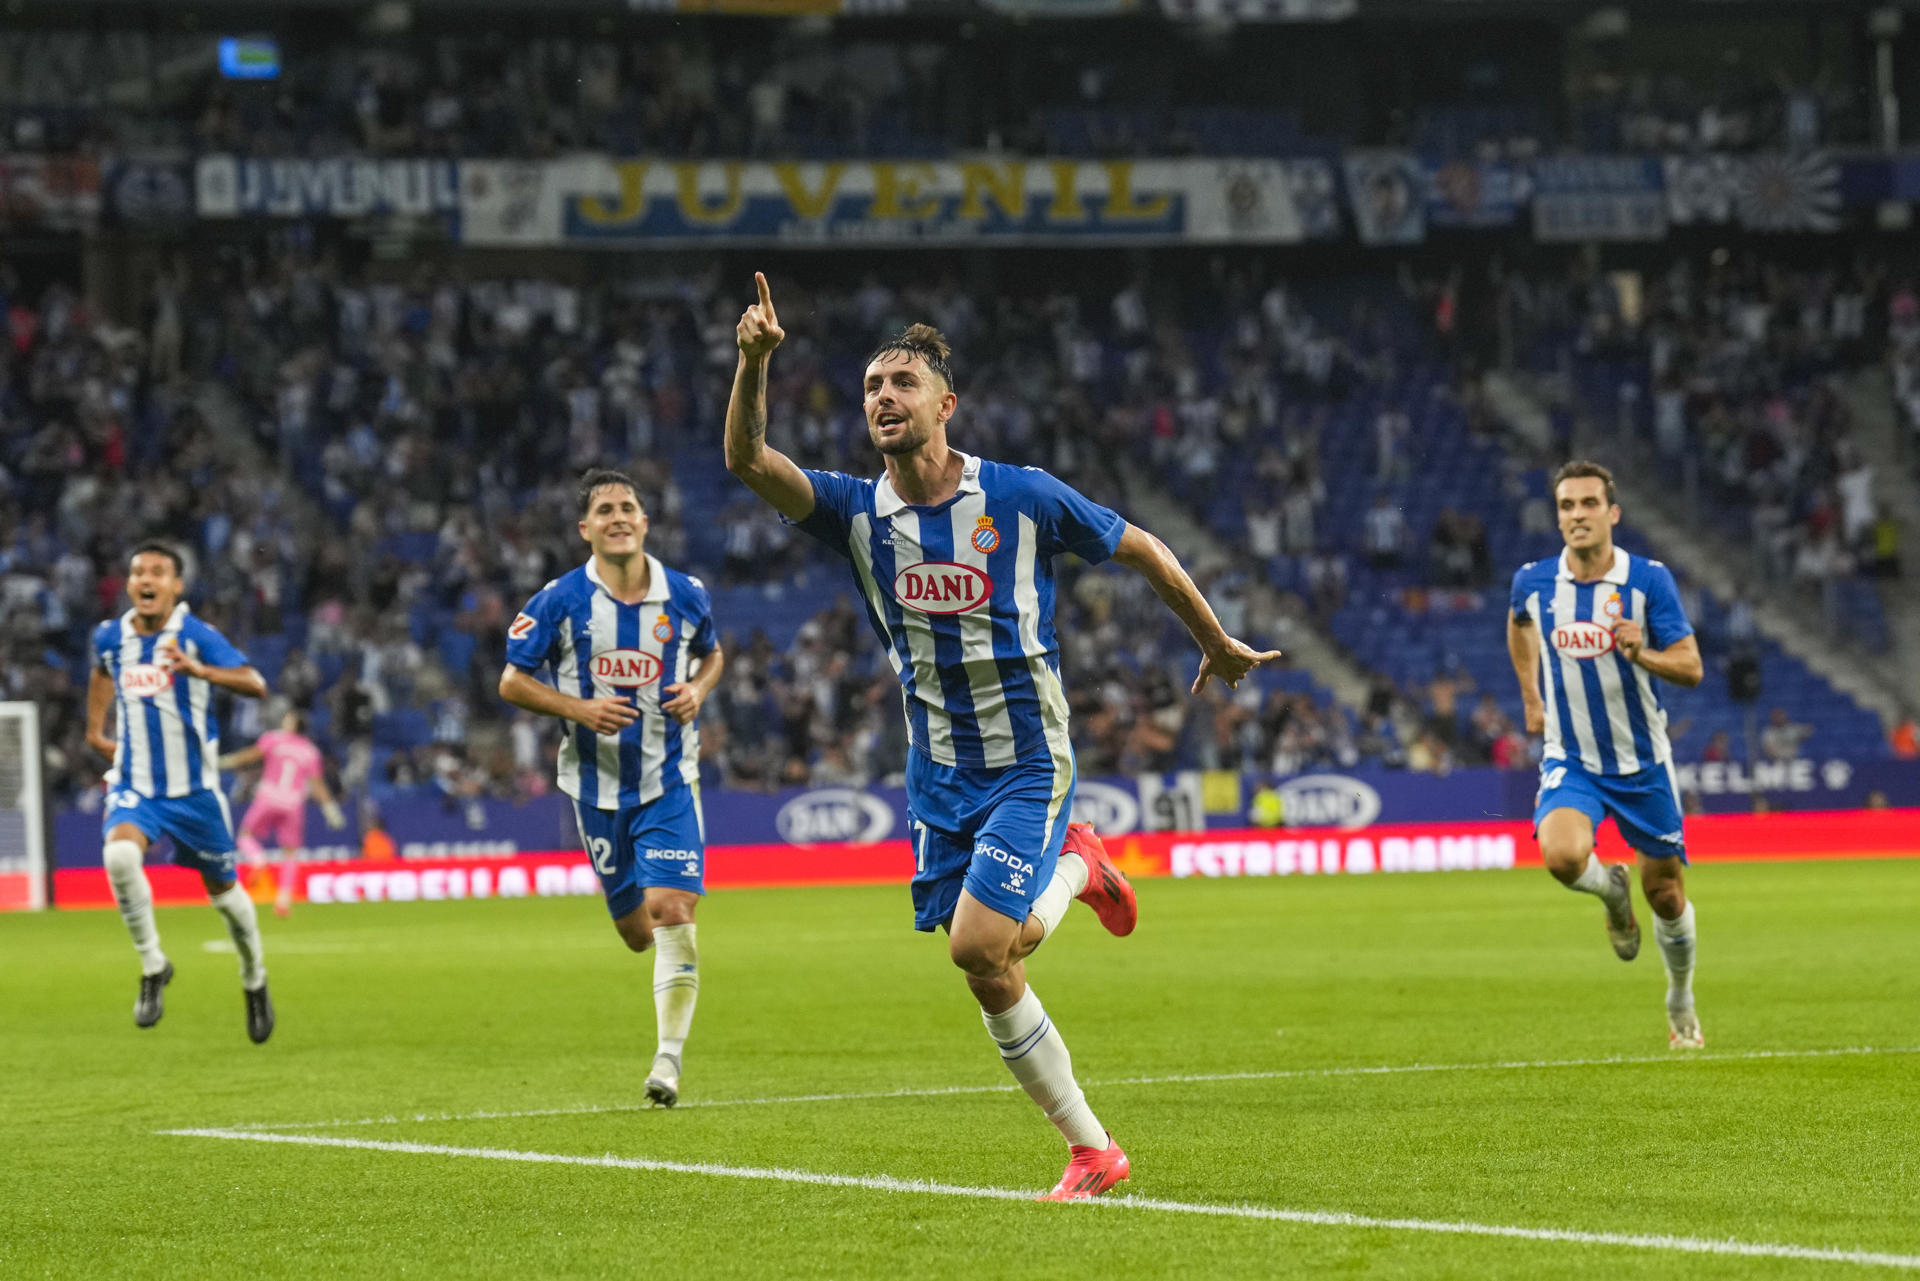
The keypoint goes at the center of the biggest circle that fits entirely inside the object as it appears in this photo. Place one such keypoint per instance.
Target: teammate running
(157, 664)
(954, 560)
(289, 765)
(630, 646)
(1610, 622)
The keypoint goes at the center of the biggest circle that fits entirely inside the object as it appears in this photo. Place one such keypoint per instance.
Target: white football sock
(1594, 879)
(1038, 1059)
(1676, 950)
(1069, 879)
(135, 897)
(676, 984)
(244, 926)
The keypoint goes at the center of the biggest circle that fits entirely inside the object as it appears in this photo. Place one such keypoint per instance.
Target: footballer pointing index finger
(954, 557)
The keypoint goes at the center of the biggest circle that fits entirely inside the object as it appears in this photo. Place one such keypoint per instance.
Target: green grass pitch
(447, 1009)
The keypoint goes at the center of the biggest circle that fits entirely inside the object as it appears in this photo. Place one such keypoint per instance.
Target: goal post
(23, 814)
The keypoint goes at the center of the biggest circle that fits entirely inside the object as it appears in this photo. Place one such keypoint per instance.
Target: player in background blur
(290, 765)
(953, 556)
(1588, 632)
(629, 644)
(157, 666)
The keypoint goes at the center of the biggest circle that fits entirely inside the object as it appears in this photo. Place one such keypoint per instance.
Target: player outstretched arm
(1678, 662)
(601, 715)
(99, 701)
(1523, 647)
(767, 472)
(1222, 657)
(244, 757)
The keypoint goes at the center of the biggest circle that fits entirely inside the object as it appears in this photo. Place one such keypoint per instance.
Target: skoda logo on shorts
(835, 814)
(1328, 800)
(1112, 810)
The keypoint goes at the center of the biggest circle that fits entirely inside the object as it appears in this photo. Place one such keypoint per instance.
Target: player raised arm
(1222, 657)
(767, 472)
(1523, 647)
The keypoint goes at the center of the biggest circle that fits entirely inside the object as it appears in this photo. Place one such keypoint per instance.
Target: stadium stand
(430, 425)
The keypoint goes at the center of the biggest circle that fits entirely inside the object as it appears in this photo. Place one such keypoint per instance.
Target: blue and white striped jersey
(1601, 710)
(961, 596)
(598, 647)
(169, 739)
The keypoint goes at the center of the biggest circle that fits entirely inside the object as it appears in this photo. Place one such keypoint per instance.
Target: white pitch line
(886, 1183)
(1194, 1078)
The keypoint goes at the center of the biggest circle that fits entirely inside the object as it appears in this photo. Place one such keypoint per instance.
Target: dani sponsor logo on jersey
(942, 587)
(1582, 640)
(144, 680)
(625, 668)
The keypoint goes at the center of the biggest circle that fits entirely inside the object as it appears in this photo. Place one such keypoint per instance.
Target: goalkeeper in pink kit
(289, 765)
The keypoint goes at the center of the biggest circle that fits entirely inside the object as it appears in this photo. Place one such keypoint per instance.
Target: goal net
(23, 828)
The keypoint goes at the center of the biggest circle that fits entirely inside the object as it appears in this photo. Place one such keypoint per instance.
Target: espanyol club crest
(663, 629)
(985, 536)
(1610, 608)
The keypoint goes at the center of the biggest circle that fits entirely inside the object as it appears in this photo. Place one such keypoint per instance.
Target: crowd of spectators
(765, 90)
(394, 478)
(1728, 366)
(1641, 110)
(371, 471)
(814, 89)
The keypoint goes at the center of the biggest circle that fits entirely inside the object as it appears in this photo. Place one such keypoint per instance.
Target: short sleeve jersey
(961, 596)
(1601, 710)
(594, 646)
(169, 738)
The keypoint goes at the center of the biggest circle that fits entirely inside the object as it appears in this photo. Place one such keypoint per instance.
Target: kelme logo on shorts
(1582, 640)
(625, 668)
(942, 587)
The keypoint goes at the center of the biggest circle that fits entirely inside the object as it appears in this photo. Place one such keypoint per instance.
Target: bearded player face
(907, 404)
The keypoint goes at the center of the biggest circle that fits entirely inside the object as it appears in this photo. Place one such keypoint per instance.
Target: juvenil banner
(594, 200)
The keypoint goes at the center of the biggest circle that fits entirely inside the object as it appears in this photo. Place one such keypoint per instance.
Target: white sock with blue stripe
(1032, 1049)
(676, 986)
